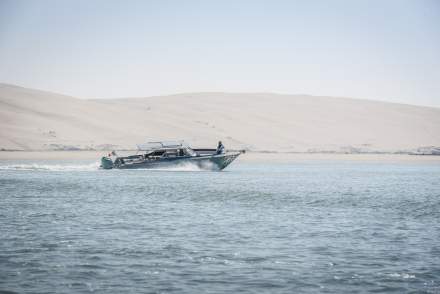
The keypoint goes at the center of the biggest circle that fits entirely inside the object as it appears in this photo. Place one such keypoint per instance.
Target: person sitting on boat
(220, 148)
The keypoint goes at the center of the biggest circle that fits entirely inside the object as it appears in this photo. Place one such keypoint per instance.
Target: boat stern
(106, 163)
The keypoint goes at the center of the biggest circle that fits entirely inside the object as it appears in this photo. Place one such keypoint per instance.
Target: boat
(169, 155)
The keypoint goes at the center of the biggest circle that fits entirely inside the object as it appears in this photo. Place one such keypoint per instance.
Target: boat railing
(162, 145)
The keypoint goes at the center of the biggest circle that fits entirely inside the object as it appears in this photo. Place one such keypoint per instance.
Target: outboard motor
(106, 162)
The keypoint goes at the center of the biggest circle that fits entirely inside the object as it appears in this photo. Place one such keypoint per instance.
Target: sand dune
(38, 120)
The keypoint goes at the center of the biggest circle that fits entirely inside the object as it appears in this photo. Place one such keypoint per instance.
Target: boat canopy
(162, 145)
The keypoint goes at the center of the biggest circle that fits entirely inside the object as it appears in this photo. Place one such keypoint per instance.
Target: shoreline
(248, 157)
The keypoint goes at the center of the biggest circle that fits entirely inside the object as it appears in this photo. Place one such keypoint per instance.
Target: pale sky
(383, 50)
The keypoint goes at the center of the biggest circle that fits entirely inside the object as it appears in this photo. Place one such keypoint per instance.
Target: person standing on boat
(220, 148)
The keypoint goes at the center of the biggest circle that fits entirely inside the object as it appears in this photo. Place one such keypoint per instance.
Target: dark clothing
(220, 148)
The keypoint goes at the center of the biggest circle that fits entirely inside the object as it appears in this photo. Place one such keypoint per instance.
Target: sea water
(304, 227)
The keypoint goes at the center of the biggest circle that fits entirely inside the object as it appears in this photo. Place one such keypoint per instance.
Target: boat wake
(51, 167)
(186, 167)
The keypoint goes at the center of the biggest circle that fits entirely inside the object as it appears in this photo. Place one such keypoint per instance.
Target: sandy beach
(248, 157)
(37, 120)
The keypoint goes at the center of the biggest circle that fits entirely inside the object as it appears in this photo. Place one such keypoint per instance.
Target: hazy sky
(386, 50)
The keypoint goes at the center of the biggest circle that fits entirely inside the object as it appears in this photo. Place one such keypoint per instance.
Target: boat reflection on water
(169, 155)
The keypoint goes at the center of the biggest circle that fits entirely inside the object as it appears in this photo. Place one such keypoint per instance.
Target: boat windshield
(191, 152)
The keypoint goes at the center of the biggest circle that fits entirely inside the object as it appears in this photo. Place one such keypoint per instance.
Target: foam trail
(188, 167)
(51, 167)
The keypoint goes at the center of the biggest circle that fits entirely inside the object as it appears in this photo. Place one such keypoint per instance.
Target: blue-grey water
(305, 227)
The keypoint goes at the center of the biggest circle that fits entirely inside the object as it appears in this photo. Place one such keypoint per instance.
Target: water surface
(306, 227)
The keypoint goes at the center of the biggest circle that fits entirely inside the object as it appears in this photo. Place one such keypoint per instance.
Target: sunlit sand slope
(35, 120)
